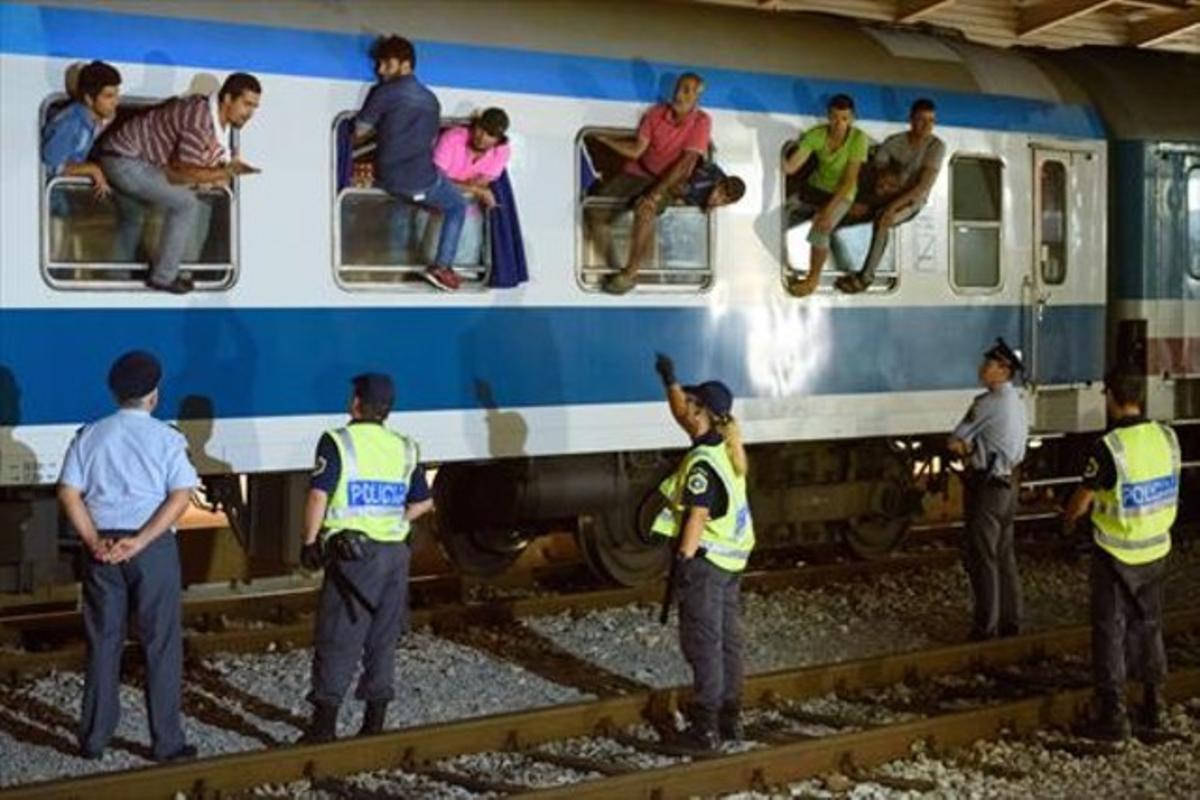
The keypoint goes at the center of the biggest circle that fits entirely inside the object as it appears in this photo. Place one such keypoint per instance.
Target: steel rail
(411, 748)
(776, 766)
(14, 664)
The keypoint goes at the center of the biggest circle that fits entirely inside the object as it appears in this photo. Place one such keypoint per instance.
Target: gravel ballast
(251, 701)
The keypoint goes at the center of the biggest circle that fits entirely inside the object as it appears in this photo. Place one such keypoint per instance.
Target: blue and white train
(1067, 216)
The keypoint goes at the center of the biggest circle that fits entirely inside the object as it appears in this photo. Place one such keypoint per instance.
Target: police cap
(713, 395)
(135, 374)
(374, 388)
(1005, 355)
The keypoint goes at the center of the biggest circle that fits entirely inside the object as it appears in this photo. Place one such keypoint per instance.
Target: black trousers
(710, 634)
(148, 585)
(989, 557)
(1126, 610)
(347, 632)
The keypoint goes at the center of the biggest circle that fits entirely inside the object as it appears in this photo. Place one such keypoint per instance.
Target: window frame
(417, 286)
(885, 283)
(46, 185)
(1066, 221)
(998, 225)
(580, 203)
(1191, 261)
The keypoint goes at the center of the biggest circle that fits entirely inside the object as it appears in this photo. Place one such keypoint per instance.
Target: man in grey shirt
(991, 440)
(906, 166)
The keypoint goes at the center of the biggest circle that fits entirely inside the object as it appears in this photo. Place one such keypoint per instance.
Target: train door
(1064, 289)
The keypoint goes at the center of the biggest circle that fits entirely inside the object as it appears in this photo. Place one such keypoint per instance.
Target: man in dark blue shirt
(404, 117)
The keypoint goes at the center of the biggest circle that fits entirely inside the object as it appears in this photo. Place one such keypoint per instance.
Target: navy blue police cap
(374, 388)
(1004, 354)
(135, 374)
(713, 395)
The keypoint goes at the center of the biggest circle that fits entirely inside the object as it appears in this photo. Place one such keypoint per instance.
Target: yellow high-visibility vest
(727, 541)
(1133, 519)
(372, 489)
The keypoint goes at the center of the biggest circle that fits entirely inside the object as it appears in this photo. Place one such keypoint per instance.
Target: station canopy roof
(1148, 24)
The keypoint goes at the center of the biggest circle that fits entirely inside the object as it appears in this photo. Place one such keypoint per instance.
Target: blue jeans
(470, 242)
(143, 182)
(445, 197)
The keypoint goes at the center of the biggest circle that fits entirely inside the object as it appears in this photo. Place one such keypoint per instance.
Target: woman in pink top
(472, 156)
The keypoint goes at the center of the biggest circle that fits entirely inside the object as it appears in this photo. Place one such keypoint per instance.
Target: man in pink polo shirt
(671, 139)
(472, 156)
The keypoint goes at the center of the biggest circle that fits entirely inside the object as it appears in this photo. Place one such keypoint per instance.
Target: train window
(679, 253)
(88, 242)
(1052, 224)
(1193, 222)
(382, 242)
(976, 207)
(849, 243)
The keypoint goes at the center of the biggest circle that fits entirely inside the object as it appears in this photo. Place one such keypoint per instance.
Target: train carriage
(538, 403)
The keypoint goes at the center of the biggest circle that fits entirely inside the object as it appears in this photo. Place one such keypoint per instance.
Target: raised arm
(799, 157)
(632, 148)
(676, 399)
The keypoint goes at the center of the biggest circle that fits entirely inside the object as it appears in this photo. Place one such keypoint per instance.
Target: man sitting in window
(157, 157)
(68, 136)
(840, 149)
(472, 156)
(709, 187)
(907, 165)
(671, 140)
(403, 116)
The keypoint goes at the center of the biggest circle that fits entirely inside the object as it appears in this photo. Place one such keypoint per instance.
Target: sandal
(850, 284)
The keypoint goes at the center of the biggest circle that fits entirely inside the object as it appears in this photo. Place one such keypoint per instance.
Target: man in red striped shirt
(158, 156)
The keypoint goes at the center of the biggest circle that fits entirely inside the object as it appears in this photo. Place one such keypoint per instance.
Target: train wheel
(624, 552)
(884, 527)
(481, 553)
(875, 537)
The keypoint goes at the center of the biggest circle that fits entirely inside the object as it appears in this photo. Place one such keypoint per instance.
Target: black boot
(1110, 723)
(373, 718)
(701, 734)
(323, 725)
(729, 724)
(1153, 703)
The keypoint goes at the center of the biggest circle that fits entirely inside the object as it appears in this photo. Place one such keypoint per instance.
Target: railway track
(282, 620)
(922, 693)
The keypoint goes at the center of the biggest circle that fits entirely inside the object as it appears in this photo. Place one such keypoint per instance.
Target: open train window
(976, 205)
(381, 242)
(1193, 222)
(106, 243)
(1052, 224)
(849, 243)
(680, 254)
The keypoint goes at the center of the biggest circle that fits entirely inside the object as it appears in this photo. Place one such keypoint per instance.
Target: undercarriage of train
(497, 518)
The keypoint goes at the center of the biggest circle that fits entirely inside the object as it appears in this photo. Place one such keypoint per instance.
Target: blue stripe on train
(137, 38)
(272, 362)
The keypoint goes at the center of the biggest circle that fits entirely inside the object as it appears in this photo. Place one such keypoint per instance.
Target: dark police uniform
(363, 605)
(996, 427)
(125, 465)
(709, 584)
(1134, 472)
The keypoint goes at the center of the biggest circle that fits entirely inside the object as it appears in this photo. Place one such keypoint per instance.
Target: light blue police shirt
(995, 426)
(125, 465)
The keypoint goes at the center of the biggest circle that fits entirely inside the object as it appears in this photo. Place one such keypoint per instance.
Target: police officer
(991, 439)
(125, 480)
(1131, 482)
(708, 518)
(367, 488)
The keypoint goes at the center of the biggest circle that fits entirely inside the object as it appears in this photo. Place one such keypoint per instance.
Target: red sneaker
(443, 278)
